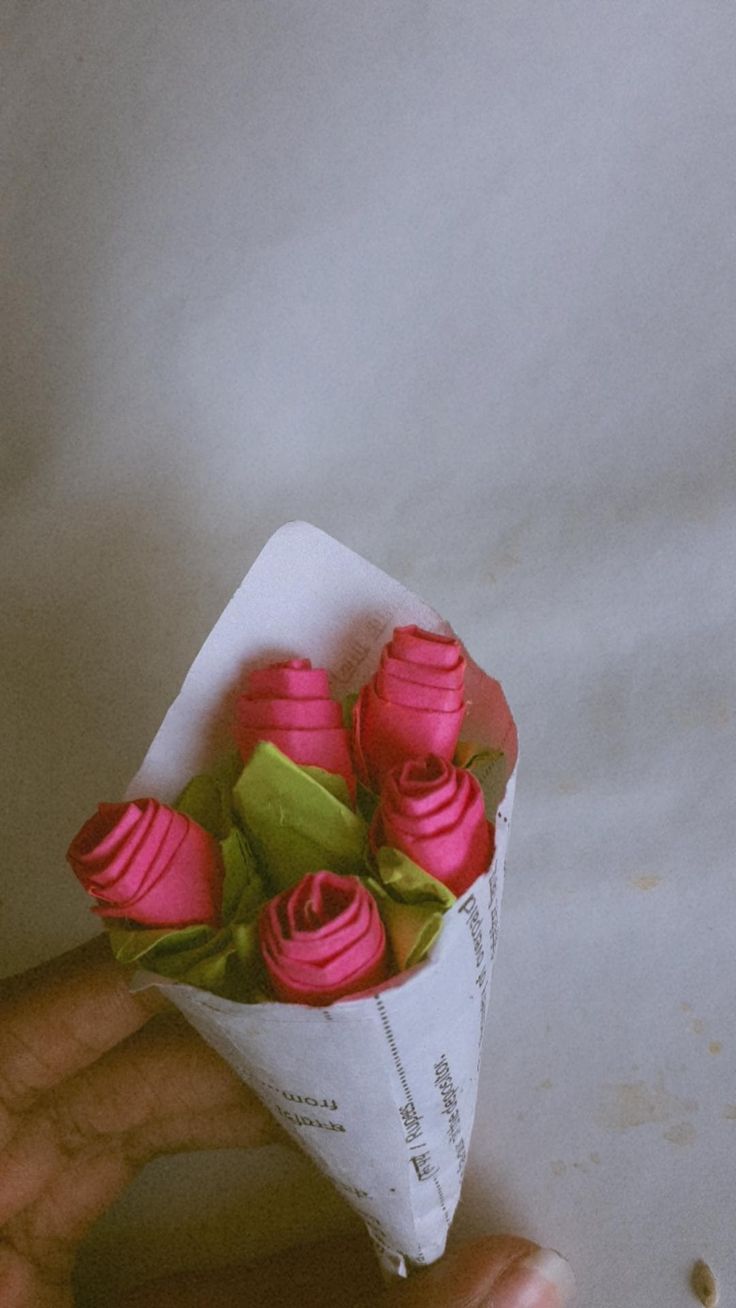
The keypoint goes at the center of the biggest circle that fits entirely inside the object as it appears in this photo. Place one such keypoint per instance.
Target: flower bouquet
(314, 876)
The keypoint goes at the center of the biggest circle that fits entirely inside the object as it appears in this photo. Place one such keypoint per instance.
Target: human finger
(495, 1272)
(61, 1016)
(160, 1091)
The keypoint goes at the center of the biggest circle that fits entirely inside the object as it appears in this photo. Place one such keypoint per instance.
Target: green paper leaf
(133, 944)
(331, 781)
(201, 800)
(347, 706)
(490, 769)
(411, 903)
(407, 882)
(367, 802)
(225, 962)
(207, 797)
(296, 824)
(411, 928)
(243, 891)
(201, 951)
(231, 966)
(227, 769)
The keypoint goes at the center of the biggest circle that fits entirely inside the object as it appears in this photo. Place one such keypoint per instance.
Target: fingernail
(541, 1280)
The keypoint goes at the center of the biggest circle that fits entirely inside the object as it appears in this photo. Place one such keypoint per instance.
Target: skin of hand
(96, 1081)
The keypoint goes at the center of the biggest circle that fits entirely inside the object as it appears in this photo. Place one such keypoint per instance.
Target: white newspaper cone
(380, 1091)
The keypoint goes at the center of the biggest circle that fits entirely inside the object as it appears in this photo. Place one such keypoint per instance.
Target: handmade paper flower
(434, 813)
(289, 705)
(382, 1096)
(414, 704)
(150, 864)
(322, 940)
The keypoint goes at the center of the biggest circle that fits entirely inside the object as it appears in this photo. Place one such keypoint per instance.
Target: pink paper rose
(414, 704)
(289, 704)
(323, 939)
(434, 813)
(149, 863)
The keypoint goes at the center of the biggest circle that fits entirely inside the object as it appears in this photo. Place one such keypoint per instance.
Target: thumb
(499, 1271)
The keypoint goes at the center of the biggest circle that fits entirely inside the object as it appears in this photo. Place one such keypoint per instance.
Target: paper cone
(380, 1091)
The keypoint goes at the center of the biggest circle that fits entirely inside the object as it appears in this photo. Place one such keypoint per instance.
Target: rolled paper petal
(319, 987)
(428, 673)
(304, 714)
(415, 694)
(419, 646)
(389, 733)
(309, 932)
(319, 906)
(108, 862)
(450, 808)
(103, 832)
(434, 813)
(406, 789)
(189, 891)
(302, 958)
(289, 705)
(147, 861)
(322, 940)
(414, 704)
(321, 984)
(150, 864)
(296, 679)
(351, 925)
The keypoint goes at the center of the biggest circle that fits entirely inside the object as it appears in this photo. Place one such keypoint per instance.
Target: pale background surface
(456, 283)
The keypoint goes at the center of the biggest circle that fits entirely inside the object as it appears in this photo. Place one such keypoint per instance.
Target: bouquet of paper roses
(321, 901)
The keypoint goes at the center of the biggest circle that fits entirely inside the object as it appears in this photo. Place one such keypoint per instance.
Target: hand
(95, 1081)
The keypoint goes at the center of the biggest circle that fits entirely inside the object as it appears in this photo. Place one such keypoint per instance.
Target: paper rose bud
(289, 704)
(434, 813)
(150, 864)
(323, 939)
(414, 704)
